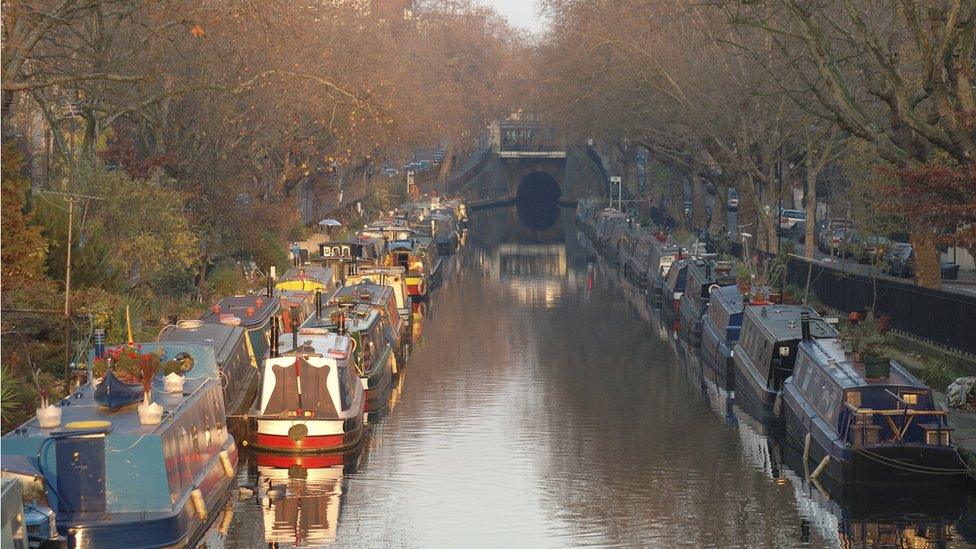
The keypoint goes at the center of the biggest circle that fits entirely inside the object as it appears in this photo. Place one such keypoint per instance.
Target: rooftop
(252, 310)
(848, 374)
(783, 321)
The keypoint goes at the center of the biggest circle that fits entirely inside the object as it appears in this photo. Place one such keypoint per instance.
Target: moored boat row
(143, 453)
(858, 419)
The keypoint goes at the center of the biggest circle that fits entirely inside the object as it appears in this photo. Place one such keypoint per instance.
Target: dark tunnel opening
(537, 201)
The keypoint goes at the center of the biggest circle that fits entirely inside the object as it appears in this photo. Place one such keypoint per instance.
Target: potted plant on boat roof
(150, 413)
(173, 372)
(872, 352)
(118, 376)
(48, 415)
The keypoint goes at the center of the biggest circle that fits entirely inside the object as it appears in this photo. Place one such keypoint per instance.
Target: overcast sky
(522, 13)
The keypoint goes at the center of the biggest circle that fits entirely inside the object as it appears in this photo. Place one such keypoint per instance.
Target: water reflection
(545, 405)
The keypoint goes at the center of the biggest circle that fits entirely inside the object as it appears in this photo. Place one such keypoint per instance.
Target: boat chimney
(318, 303)
(274, 337)
(294, 335)
(805, 325)
(271, 278)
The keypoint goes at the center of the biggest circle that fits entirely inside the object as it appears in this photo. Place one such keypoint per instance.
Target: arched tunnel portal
(537, 200)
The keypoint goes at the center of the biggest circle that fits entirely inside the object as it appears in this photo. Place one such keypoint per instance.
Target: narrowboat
(606, 224)
(394, 277)
(238, 377)
(389, 229)
(671, 292)
(113, 481)
(372, 356)
(254, 314)
(444, 232)
(766, 352)
(863, 428)
(311, 399)
(309, 278)
(703, 274)
(419, 257)
(720, 332)
(382, 299)
(346, 258)
(637, 258)
(658, 266)
(296, 306)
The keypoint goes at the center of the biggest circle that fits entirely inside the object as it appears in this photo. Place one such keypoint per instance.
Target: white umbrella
(330, 223)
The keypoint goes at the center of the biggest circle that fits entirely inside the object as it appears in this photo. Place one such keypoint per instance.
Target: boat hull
(320, 436)
(876, 464)
(181, 528)
(747, 386)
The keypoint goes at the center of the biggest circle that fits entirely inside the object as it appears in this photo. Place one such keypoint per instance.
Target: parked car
(873, 250)
(425, 164)
(901, 263)
(838, 241)
(789, 218)
(389, 172)
(733, 202)
(824, 232)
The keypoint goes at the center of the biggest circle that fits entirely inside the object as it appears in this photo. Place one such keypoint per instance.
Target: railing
(937, 317)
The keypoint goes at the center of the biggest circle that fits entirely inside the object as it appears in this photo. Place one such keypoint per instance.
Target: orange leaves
(197, 31)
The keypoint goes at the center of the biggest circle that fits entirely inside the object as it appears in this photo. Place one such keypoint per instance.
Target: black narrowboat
(254, 314)
(671, 292)
(860, 425)
(703, 274)
(766, 352)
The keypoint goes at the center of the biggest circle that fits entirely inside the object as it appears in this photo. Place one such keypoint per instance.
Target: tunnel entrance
(536, 200)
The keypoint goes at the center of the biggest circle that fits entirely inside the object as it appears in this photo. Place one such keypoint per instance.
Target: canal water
(545, 406)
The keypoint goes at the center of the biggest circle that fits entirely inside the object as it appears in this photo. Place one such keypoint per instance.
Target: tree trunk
(928, 272)
(719, 217)
(202, 278)
(811, 209)
(698, 219)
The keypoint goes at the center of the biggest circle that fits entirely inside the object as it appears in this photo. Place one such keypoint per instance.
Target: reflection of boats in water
(876, 516)
(308, 513)
(531, 273)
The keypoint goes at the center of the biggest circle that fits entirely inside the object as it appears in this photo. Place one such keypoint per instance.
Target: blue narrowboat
(862, 428)
(766, 352)
(720, 333)
(703, 274)
(115, 482)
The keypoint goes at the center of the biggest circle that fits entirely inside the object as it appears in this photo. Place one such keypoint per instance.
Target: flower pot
(173, 383)
(877, 367)
(49, 416)
(150, 414)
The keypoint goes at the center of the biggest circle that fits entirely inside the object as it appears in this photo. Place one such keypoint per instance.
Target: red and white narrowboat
(311, 399)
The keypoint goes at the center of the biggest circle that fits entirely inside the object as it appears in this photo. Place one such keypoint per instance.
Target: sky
(521, 13)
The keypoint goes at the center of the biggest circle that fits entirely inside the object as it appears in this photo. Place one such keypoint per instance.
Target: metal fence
(946, 319)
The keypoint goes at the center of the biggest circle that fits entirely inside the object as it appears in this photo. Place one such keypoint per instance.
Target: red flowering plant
(129, 364)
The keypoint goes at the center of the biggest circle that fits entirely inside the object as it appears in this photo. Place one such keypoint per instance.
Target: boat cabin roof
(224, 339)
(81, 406)
(364, 292)
(782, 322)
(323, 274)
(360, 317)
(318, 343)
(703, 273)
(252, 310)
(728, 298)
(294, 298)
(830, 356)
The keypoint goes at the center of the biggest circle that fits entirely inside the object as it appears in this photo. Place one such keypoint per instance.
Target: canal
(544, 406)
